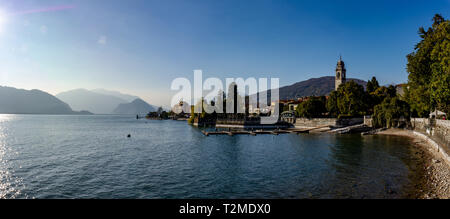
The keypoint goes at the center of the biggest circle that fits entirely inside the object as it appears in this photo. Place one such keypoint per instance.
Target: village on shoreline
(417, 110)
(420, 105)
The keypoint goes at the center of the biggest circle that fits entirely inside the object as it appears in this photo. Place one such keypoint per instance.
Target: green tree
(440, 55)
(160, 110)
(389, 111)
(440, 92)
(372, 85)
(349, 100)
(164, 115)
(332, 104)
(312, 108)
(376, 94)
(382, 93)
(428, 67)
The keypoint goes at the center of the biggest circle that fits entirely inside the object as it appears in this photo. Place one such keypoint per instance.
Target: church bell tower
(340, 74)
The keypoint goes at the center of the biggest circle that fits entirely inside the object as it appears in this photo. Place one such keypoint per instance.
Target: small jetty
(360, 128)
(373, 131)
(261, 131)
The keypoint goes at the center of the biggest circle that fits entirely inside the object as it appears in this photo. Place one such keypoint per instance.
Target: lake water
(91, 157)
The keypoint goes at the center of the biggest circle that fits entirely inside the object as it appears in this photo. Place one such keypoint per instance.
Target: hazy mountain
(312, 87)
(82, 99)
(138, 106)
(126, 97)
(19, 101)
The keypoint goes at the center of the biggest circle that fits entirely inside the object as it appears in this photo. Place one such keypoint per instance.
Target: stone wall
(442, 132)
(420, 124)
(349, 122)
(318, 122)
(439, 132)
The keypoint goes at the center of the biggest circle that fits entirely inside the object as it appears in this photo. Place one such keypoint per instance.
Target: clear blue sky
(139, 47)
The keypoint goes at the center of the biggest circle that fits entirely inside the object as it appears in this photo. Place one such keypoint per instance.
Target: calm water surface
(91, 157)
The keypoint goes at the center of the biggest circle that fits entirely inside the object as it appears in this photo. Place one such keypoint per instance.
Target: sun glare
(3, 19)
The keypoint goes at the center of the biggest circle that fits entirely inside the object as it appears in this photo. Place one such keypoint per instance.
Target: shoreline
(435, 168)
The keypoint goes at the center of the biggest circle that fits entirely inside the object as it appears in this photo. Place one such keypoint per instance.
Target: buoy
(129, 136)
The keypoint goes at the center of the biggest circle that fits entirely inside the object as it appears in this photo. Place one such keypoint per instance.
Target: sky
(140, 46)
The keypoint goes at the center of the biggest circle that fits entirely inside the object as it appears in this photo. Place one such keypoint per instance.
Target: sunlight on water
(10, 186)
(7, 117)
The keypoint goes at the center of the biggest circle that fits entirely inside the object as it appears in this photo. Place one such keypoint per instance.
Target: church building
(340, 74)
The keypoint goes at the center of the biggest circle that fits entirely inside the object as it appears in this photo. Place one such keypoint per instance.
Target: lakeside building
(400, 89)
(182, 107)
(293, 104)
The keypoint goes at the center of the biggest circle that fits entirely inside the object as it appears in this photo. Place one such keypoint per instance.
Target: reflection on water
(10, 185)
(91, 157)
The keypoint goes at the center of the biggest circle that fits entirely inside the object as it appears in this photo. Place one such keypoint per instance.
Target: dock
(261, 132)
(351, 129)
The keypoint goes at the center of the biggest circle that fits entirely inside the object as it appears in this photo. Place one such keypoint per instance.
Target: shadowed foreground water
(91, 157)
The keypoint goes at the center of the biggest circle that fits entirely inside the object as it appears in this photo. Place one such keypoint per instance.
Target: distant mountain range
(19, 101)
(126, 97)
(78, 102)
(98, 103)
(101, 101)
(136, 107)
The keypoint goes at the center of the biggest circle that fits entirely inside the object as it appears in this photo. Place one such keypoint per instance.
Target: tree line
(352, 100)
